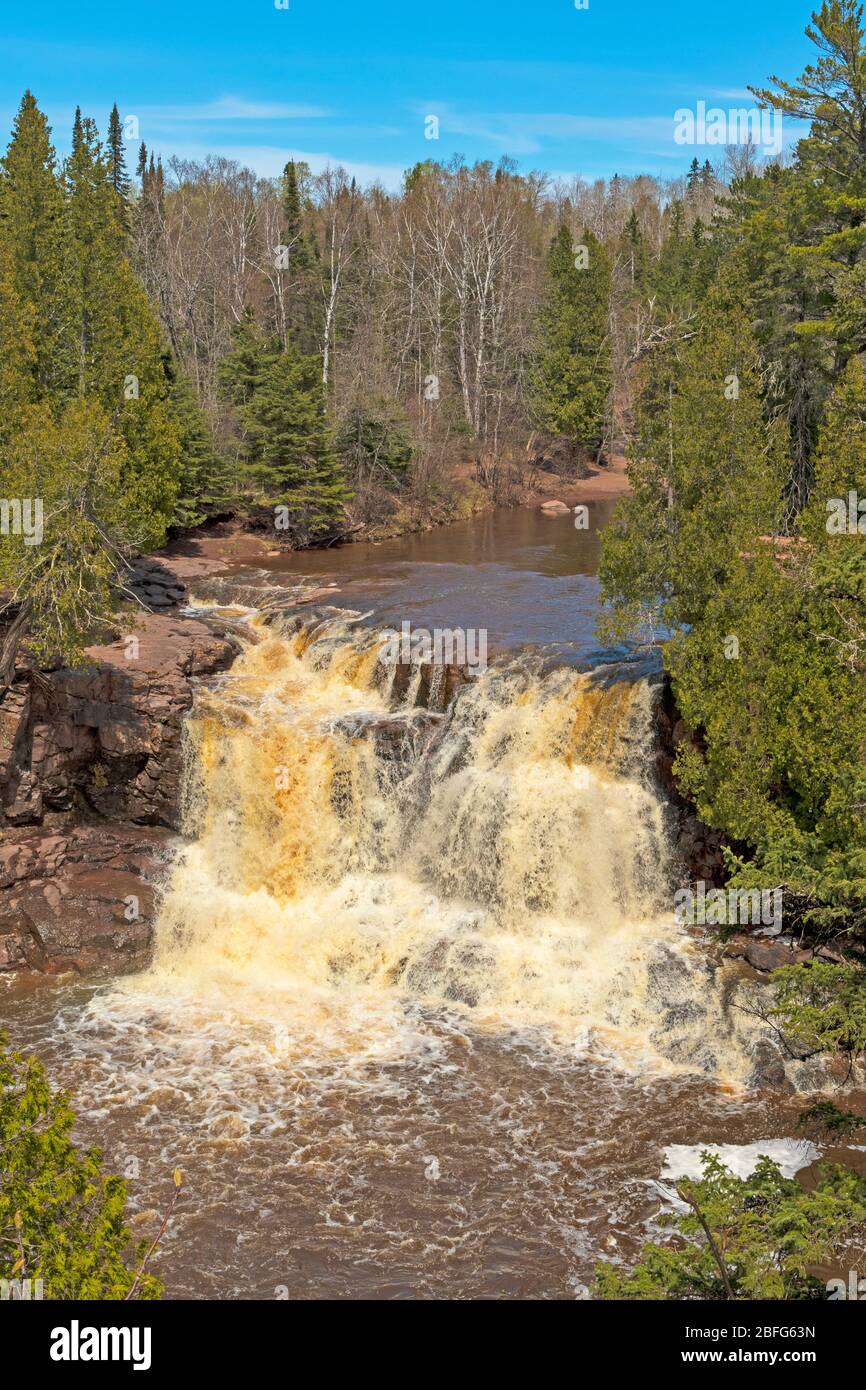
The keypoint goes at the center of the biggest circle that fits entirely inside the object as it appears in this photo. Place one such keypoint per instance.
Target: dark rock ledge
(90, 789)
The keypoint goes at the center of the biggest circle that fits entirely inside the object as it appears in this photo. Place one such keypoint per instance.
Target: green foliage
(94, 509)
(637, 254)
(767, 638)
(61, 1217)
(203, 481)
(570, 374)
(375, 442)
(784, 724)
(822, 1006)
(35, 238)
(830, 1121)
(285, 440)
(116, 159)
(95, 421)
(705, 473)
(746, 1238)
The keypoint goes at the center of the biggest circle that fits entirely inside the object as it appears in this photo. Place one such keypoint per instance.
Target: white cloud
(233, 109)
(519, 132)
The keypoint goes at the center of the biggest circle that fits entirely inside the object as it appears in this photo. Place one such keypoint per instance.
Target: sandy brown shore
(230, 544)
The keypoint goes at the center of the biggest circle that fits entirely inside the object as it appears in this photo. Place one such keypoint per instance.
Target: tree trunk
(10, 645)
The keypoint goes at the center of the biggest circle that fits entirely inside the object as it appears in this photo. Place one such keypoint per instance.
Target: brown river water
(420, 1022)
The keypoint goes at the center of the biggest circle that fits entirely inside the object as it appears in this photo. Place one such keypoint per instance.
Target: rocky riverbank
(90, 787)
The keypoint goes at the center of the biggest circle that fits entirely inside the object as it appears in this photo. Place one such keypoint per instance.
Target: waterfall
(355, 856)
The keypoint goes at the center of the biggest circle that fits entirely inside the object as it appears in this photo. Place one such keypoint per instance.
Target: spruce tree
(570, 372)
(637, 253)
(120, 350)
(291, 455)
(203, 483)
(18, 361)
(116, 156)
(304, 309)
(35, 237)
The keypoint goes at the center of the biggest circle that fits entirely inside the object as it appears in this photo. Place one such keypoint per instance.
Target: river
(420, 1022)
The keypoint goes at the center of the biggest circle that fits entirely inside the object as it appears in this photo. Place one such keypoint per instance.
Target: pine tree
(291, 454)
(116, 156)
(802, 231)
(35, 238)
(203, 483)
(94, 508)
(120, 351)
(18, 361)
(637, 253)
(299, 246)
(304, 310)
(376, 443)
(686, 264)
(570, 372)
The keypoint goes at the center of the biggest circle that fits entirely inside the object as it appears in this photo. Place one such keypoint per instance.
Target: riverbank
(230, 545)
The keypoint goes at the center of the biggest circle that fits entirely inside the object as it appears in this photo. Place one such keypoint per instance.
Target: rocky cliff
(90, 786)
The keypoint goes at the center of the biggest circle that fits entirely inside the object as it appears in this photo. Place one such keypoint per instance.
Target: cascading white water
(506, 859)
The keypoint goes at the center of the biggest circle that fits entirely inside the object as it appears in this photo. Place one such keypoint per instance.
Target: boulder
(83, 901)
(106, 738)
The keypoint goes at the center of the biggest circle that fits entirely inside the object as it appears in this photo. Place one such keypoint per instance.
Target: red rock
(104, 742)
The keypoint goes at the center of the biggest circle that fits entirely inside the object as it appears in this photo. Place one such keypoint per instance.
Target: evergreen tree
(120, 352)
(570, 373)
(759, 1237)
(35, 261)
(706, 481)
(300, 250)
(202, 481)
(116, 155)
(802, 231)
(291, 454)
(685, 266)
(18, 360)
(637, 253)
(62, 1219)
(95, 508)
(375, 442)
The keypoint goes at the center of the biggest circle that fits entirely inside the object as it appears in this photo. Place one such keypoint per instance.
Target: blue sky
(589, 92)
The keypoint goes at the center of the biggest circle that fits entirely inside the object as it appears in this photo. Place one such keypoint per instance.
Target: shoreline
(230, 545)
